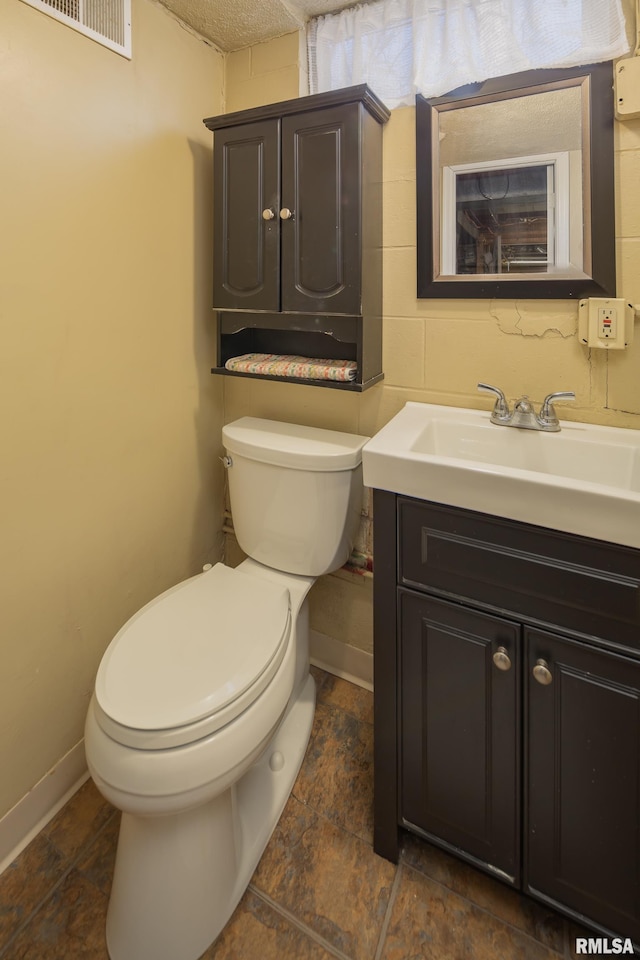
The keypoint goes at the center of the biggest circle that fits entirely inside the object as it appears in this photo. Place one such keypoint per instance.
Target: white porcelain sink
(584, 480)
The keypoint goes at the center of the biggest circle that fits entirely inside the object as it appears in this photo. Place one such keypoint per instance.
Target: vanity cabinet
(507, 703)
(298, 229)
(460, 776)
(583, 775)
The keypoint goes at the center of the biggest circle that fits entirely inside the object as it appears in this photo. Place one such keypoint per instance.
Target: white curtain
(404, 47)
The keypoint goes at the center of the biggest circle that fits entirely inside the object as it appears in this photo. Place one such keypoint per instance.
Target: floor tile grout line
(387, 916)
(61, 879)
(300, 924)
(80, 852)
(494, 916)
(85, 849)
(27, 920)
(337, 826)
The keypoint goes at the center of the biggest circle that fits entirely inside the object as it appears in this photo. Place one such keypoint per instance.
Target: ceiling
(233, 24)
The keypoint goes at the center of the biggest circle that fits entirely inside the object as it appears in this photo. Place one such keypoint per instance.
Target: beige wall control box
(627, 89)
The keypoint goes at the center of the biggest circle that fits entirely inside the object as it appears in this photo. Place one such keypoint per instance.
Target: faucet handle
(547, 411)
(501, 408)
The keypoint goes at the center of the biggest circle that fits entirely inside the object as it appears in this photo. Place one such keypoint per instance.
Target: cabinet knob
(268, 214)
(542, 673)
(502, 659)
(286, 214)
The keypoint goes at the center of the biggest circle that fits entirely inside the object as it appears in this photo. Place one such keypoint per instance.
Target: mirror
(515, 187)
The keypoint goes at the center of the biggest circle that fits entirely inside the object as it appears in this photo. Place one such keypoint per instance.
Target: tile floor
(319, 891)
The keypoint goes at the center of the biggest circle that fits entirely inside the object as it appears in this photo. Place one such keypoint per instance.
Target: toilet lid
(193, 650)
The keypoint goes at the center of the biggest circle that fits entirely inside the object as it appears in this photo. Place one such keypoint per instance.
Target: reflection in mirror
(508, 217)
(510, 176)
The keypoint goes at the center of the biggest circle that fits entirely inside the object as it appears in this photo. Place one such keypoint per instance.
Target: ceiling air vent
(106, 21)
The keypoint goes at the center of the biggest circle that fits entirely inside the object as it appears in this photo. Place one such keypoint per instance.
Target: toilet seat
(192, 659)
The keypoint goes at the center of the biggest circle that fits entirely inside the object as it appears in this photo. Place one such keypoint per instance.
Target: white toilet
(203, 702)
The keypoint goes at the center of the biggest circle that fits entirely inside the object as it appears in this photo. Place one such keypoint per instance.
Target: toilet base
(178, 878)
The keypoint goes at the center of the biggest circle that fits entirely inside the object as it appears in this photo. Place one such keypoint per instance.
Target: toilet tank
(295, 492)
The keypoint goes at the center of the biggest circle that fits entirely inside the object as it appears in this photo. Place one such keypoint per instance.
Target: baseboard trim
(341, 659)
(23, 822)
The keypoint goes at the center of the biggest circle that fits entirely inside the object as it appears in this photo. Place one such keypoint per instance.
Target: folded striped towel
(283, 365)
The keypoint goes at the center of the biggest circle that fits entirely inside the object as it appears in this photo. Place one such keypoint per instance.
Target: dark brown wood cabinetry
(461, 785)
(583, 781)
(246, 246)
(507, 703)
(298, 230)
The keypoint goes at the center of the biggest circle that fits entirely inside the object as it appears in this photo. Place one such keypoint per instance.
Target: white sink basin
(584, 480)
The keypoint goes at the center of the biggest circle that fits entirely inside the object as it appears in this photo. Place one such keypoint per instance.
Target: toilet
(203, 701)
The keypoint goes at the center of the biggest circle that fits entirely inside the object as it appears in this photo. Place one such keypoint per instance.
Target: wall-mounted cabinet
(298, 230)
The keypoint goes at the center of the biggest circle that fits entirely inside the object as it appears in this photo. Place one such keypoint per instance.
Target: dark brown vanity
(507, 703)
(298, 231)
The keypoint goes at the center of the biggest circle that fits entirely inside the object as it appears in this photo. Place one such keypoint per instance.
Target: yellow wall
(110, 489)
(110, 425)
(437, 350)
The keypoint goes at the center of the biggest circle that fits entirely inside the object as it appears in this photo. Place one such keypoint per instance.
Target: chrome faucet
(523, 414)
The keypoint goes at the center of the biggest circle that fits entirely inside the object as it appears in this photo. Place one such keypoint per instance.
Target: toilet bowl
(203, 701)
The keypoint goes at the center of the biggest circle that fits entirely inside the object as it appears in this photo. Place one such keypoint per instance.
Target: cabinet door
(321, 173)
(460, 730)
(583, 781)
(246, 274)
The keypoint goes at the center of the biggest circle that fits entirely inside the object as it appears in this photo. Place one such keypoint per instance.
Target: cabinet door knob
(501, 659)
(542, 673)
(286, 214)
(268, 214)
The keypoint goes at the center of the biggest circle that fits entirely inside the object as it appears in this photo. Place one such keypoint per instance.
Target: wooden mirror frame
(599, 218)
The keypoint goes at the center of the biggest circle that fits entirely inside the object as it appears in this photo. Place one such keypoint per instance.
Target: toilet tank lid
(293, 445)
